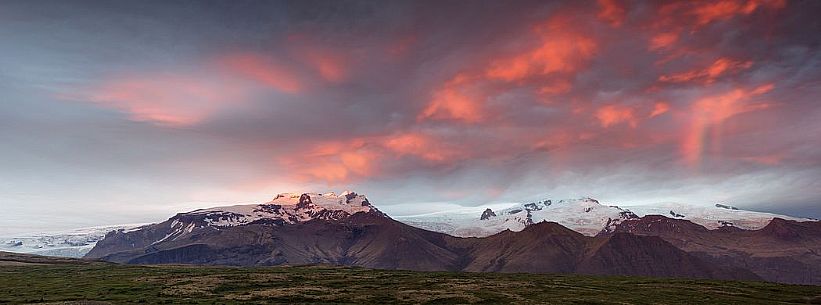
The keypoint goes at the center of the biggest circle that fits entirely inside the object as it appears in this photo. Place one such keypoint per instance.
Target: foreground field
(118, 284)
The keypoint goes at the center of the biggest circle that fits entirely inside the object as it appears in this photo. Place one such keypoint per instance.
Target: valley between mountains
(347, 230)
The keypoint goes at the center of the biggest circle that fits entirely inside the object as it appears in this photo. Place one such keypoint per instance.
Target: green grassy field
(118, 284)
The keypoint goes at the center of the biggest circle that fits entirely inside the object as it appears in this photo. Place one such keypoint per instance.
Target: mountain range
(583, 215)
(585, 237)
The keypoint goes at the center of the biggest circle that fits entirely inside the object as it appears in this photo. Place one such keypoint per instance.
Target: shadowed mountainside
(371, 239)
(783, 251)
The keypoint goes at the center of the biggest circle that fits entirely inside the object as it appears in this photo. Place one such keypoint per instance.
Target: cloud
(614, 114)
(561, 50)
(356, 159)
(611, 12)
(263, 70)
(709, 74)
(660, 108)
(165, 99)
(420, 145)
(710, 111)
(663, 40)
(415, 102)
(452, 102)
(708, 12)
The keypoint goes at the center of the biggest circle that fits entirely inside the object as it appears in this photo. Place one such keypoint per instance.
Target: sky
(130, 111)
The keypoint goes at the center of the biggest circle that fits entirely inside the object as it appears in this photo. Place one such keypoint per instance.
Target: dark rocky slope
(783, 251)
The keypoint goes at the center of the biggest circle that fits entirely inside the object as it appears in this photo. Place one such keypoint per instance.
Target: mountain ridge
(585, 215)
(300, 229)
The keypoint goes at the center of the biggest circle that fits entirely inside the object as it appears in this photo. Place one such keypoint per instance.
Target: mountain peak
(348, 201)
(285, 208)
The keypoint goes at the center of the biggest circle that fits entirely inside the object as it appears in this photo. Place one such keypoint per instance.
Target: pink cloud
(611, 12)
(615, 114)
(720, 67)
(712, 110)
(660, 108)
(263, 70)
(165, 99)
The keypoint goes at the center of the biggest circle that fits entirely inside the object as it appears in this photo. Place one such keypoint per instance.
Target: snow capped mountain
(712, 217)
(74, 243)
(285, 208)
(584, 215)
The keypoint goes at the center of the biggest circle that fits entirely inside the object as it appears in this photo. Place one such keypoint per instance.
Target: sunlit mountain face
(122, 112)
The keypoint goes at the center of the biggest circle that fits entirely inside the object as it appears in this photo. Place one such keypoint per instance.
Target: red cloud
(709, 11)
(451, 102)
(560, 51)
(364, 157)
(420, 145)
(709, 74)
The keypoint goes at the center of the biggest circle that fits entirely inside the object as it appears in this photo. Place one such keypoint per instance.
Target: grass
(118, 284)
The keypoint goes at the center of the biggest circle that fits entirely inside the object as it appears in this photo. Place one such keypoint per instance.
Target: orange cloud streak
(346, 161)
(709, 74)
(709, 11)
(713, 110)
(419, 145)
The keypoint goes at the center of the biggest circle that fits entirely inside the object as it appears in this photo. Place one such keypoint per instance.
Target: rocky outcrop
(488, 213)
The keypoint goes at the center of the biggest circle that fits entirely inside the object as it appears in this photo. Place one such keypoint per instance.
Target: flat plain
(103, 283)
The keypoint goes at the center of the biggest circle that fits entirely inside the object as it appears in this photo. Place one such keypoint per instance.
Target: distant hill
(21, 259)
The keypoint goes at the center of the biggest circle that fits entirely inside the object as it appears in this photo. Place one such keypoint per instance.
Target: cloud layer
(411, 102)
